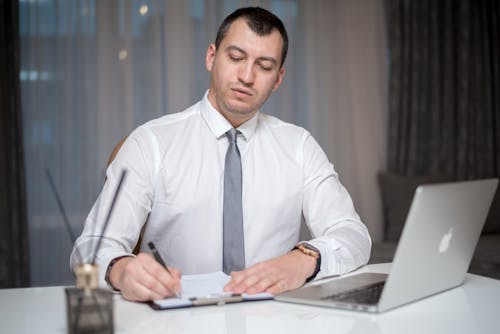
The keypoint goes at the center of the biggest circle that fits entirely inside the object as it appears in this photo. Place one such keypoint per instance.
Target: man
(179, 170)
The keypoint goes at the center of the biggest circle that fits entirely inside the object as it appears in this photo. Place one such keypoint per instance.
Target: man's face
(245, 70)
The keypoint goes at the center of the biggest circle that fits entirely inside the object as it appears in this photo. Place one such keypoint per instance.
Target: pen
(160, 261)
(157, 255)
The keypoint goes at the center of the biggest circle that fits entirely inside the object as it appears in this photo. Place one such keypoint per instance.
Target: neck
(236, 119)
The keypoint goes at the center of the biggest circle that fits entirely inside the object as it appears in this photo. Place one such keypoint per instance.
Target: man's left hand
(274, 276)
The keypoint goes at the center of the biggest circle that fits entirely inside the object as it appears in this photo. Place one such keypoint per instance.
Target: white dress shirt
(175, 185)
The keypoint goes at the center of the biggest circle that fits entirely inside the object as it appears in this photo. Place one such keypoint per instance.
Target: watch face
(309, 250)
(311, 247)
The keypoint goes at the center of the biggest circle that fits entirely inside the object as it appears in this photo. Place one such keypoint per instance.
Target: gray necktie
(234, 246)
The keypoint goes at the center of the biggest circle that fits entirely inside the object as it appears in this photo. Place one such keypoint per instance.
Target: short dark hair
(261, 21)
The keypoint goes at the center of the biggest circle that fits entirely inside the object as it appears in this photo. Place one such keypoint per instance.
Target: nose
(246, 74)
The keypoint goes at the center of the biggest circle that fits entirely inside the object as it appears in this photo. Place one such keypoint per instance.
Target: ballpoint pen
(158, 258)
(157, 255)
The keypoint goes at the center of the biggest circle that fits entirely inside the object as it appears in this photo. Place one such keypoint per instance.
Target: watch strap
(108, 270)
(312, 251)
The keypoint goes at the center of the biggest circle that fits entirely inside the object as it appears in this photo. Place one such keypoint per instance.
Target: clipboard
(205, 290)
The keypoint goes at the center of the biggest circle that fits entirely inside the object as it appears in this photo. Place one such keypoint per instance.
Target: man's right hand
(141, 278)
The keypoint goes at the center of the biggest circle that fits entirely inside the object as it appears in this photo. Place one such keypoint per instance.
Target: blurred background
(402, 89)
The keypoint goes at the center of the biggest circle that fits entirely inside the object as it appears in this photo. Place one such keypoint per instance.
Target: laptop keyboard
(366, 295)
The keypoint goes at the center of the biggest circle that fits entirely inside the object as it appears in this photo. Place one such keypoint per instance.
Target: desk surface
(473, 307)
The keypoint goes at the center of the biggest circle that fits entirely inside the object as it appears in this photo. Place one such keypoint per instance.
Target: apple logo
(444, 244)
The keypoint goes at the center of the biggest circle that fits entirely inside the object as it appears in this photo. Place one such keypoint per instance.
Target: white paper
(204, 285)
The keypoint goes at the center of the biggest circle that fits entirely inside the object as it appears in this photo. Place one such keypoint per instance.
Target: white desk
(472, 308)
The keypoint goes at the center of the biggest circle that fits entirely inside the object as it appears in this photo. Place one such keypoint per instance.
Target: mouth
(242, 92)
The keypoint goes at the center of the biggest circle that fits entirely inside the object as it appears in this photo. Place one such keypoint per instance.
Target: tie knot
(231, 135)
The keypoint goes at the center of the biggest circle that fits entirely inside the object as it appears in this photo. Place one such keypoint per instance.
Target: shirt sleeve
(131, 210)
(337, 231)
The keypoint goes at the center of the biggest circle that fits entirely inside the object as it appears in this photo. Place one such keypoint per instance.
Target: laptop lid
(438, 240)
(434, 252)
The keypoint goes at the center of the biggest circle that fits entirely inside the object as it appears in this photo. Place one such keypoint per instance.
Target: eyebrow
(263, 58)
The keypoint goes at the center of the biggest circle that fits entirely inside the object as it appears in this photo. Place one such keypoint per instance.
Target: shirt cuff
(330, 262)
(103, 262)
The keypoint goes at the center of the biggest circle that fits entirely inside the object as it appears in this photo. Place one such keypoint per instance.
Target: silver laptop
(434, 252)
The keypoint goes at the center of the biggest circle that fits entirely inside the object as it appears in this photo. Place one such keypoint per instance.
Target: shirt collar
(219, 125)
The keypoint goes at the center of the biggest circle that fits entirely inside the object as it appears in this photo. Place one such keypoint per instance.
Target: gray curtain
(14, 265)
(444, 91)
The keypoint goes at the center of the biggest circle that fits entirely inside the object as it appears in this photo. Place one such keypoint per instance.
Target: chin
(240, 108)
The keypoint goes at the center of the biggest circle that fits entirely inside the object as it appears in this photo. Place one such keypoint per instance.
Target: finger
(174, 284)
(136, 274)
(256, 282)
(176, 275)
(278, 287)
(239, 276)
(161, 280)
(237, 279)
(260, 286)
(133, 287)
(242, 284)
(139, 278)
(150, 262)
(175, 272)
(139, 292)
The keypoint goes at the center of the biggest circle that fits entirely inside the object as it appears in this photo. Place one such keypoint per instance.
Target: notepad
(205, 289)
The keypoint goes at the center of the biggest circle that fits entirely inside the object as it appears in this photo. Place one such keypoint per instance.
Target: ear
(279, 80)
(210, 57)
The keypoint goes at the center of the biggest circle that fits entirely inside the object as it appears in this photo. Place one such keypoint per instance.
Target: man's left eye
(235, 58)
